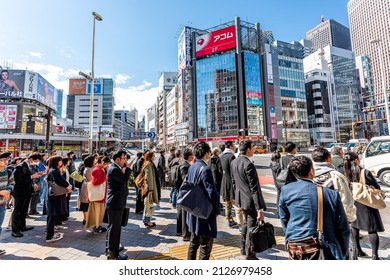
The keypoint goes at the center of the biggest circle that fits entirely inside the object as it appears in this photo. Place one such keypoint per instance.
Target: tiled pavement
(159, 242)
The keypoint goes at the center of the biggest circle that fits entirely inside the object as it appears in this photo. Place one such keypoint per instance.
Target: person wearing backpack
(7, 183)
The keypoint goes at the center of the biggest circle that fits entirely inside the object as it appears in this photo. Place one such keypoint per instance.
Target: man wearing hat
(23, 189)
(6, 186)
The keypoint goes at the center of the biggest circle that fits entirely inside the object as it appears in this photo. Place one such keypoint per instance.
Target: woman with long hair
(83, 195)
(55, 205)
(152, 195)
(367, 218)
(96, 209)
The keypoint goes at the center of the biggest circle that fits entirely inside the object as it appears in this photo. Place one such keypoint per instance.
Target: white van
(353, 143)
(376, 158)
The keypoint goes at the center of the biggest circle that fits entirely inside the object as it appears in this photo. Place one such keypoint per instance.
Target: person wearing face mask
(24, 187)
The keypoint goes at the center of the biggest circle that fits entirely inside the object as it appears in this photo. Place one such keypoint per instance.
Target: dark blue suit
(203, 230)
(298, 213)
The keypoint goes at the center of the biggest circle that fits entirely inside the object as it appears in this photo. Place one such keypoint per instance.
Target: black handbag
(125, 217)
(55, 189)
(262, 237)
(194, 198)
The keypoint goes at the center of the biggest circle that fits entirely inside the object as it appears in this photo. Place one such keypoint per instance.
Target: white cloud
(141, 97)
(122, 79)
(35, 54)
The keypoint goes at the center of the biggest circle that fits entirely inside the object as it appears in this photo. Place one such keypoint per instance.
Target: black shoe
(376, 258)
(232, 224)
(252, 257)
(26, 229)
(150, 225)
(2, 252)
(34, 213)
(119, 258)
(362, 254)
(17, 234)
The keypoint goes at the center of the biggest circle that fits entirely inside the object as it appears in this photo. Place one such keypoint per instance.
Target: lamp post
(98, 17)
(377, 42)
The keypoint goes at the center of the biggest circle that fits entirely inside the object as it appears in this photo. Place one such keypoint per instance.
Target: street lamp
(96, 17)
(377, 42)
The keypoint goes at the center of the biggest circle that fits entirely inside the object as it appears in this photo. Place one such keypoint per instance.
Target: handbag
(96, 192)
(368, 195)
(194, 198)
(55, 189)
(284, 175)
(262, 237)
(310, 248)
(76, 176)
(125, 216)
(142, 182)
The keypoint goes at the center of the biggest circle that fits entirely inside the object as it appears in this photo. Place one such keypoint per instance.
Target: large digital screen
(12, 83)
(8, 116)
(216, 41)
(47, 93)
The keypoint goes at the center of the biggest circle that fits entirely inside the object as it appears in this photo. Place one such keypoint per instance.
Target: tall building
(292, 92)
(369, 20)
(330, 33)
(60, 95)
(79, 107)
(228, 77)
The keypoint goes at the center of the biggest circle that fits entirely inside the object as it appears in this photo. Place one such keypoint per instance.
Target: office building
(369, 20)
(60, 95)
(330, 33)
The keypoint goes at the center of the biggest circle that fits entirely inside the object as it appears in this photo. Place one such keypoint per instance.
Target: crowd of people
(227, 177)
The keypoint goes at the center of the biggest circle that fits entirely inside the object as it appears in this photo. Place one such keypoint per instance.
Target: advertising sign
(12, 83)
(274, 133)
(97, 85)
(31, 85)
(184, 48)
(77, 86)
(8, 116)
(216, 41)
(47, 93)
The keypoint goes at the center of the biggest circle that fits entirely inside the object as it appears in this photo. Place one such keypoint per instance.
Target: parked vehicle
(353, 143)
(313, 147)
(376, 158)
(330, 146)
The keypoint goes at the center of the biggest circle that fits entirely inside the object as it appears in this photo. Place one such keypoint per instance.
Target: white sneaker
(56, 237)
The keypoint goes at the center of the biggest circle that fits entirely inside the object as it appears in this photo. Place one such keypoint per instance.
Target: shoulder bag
(368, 195)
(96, 193)
(194, 198)
(55, 189)
(142, 182)
(284, 175)
(310, 248)
(76, 176)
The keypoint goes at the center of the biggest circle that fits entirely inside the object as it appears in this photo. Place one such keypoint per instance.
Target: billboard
(77, 86)
(8, 116)
(31, 85)
(97, 85)
(216, 41)
(184, 48)
(47, 93)
(12, 83)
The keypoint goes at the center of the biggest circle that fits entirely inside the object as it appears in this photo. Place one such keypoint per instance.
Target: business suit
(298, 208)
(227, 189)
(248, 197)
(203, 230)
(22, 196)
(116, 201)
(181, 226)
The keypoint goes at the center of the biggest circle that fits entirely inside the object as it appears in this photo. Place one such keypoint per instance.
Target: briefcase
(262, 236)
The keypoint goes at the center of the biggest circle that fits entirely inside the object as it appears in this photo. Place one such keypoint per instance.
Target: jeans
(173, 196)
(2, 215)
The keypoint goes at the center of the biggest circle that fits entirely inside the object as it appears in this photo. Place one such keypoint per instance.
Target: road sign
(142, 135)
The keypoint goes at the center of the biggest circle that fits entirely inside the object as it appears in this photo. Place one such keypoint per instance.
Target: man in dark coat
(23, 189)
(248, 195)
(161, 169)
(227, 190)
(117, 176)
(172, 155)
(203, 231)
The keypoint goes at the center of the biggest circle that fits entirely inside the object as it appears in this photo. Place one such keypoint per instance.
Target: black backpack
(175, 176)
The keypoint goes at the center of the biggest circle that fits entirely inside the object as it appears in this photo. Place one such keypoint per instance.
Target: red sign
(216, 41)
(223, 138)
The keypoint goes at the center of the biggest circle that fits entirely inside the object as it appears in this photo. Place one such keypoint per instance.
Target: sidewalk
(159, 242)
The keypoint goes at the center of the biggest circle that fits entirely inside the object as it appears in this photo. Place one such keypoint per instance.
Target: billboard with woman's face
(47, 93)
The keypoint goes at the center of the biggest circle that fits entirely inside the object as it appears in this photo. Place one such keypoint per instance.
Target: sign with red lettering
(216, 41)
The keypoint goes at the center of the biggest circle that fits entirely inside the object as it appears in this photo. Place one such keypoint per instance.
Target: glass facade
(217, 105)
(254, 97)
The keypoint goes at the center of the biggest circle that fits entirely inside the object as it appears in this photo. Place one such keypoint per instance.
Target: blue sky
(137, 39)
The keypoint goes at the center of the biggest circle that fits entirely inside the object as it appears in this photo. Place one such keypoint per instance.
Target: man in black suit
(248, 195)
(227, 190)
(24, 187)
(117, 176)
(161, 168)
